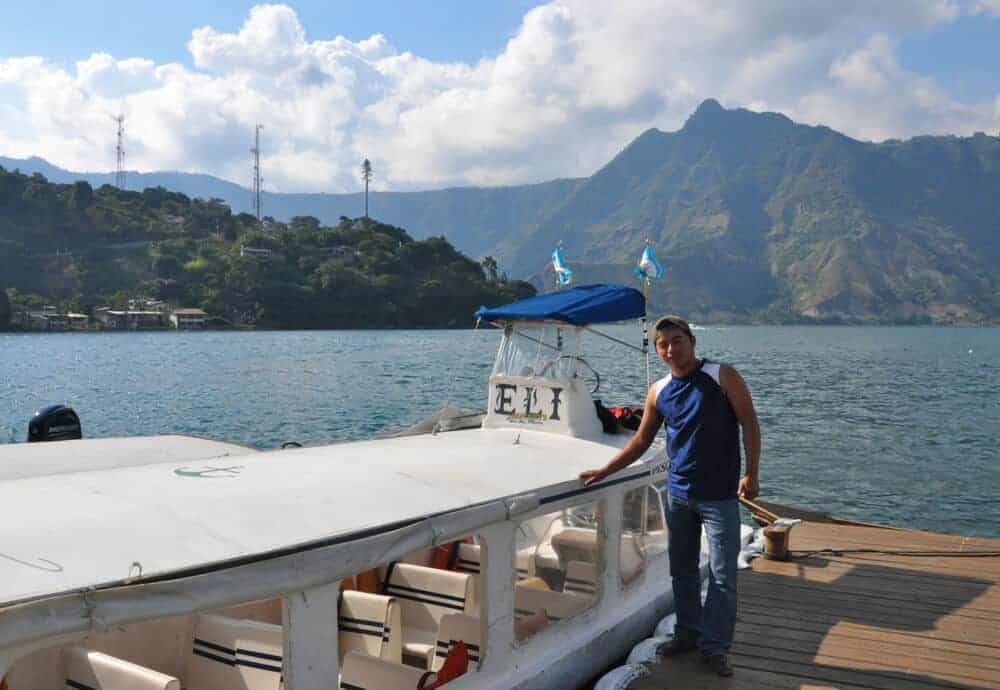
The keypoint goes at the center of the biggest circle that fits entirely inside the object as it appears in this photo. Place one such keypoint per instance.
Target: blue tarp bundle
(578, 306)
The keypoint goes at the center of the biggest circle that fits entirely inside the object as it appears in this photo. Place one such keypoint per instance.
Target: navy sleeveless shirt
(703, 436)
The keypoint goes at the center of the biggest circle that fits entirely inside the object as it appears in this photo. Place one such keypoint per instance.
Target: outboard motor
(54, 423)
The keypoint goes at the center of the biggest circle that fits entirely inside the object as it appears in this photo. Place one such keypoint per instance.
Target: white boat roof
(26, 460)
(72, 525)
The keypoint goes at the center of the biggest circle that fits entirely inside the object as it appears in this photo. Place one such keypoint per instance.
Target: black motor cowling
(54, 423)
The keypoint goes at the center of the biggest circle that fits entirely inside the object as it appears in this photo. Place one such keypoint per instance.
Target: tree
(167, 266)
(4, 309)
(304, 223)
(366, 175)
(491, 267)
(167, 289)
(82, 195)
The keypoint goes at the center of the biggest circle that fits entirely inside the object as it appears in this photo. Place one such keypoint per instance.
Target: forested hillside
(80, 248)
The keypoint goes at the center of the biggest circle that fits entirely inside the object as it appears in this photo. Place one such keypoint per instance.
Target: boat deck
(860, 620)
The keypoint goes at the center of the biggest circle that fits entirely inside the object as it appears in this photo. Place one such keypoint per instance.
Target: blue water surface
(894, 425)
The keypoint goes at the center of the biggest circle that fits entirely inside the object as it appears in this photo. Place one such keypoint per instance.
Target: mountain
(754, 217)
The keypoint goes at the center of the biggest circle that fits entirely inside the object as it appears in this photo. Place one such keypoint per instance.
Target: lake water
(892, 425)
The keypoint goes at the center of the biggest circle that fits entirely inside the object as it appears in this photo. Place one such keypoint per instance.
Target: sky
(448, 92)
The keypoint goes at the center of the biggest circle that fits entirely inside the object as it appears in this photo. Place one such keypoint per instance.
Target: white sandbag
(648, 651)
(622, 677)
(751, 551)
(666, 626)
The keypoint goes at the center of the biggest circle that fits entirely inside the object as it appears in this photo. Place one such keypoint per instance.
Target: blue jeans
(712, 625)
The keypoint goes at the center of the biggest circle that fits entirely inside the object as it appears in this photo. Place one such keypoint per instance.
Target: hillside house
(45, 321)
(121, 319)
(188, 319)
(256, 252)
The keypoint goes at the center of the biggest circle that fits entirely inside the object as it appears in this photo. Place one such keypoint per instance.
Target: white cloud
(101, 73)
(576, 83)
(986, 7)
(871, 96)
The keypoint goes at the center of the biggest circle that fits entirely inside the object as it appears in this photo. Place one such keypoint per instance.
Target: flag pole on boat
(647, 268)
(564, 276)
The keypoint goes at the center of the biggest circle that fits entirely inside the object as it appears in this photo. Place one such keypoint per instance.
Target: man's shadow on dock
(849, 621)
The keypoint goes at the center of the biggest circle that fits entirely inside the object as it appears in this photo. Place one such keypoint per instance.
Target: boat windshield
(540, 350)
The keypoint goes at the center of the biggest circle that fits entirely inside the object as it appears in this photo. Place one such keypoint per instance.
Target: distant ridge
(754, 217)
(481, 216)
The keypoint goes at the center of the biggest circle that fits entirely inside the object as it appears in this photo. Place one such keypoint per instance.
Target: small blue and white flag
(648, 266)
(563, 272)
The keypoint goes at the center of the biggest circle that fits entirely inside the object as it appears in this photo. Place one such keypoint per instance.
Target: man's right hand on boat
(589, 477)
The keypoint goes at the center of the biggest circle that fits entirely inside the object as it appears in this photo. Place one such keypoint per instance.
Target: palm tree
(366, 175)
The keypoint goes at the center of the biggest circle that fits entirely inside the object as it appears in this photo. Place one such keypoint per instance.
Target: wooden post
(311, 655)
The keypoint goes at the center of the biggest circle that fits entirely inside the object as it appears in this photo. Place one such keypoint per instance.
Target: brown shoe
(678, 645)
(719, 664)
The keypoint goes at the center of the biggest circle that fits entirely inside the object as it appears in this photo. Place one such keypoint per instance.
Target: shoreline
(471, 327)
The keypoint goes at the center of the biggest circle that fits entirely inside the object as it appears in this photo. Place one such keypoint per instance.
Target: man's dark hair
(667, 322)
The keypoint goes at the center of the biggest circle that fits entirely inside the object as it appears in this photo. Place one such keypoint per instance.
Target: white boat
(173, 562)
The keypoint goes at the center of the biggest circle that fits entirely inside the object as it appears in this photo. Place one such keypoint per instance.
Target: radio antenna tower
(120, 153)
(256, 171)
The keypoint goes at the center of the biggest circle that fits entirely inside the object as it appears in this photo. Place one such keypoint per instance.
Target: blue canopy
(578, 306)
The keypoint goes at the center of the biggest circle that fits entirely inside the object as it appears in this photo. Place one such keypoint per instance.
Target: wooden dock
(860, 621)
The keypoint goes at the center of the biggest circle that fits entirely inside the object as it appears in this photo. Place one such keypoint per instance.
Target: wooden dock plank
(791, 622)
(849, 636)
(873, 656)
(853, 621)
(894, 593)
(897, 580)
(871, 608)
(973, 602)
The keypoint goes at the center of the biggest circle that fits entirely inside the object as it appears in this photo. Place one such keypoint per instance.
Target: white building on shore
(186, 319)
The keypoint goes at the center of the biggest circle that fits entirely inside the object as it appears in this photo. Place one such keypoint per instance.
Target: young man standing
(704, 405)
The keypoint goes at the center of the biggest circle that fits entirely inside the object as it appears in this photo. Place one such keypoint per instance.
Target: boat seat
(557, 605)
(234, 654)
(423, 556)
(455, 627)
(581, 579)
(363, 672)
(524, 563)
(631, 558)
(266, 611)
(469, 559)
(576, 544)
(90, 670)
(370, 623)
(425, 595)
